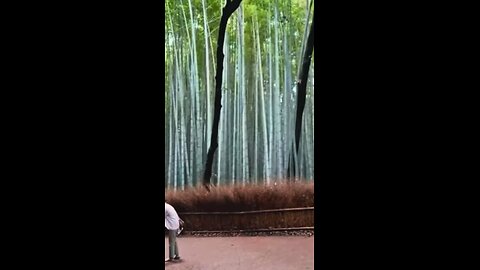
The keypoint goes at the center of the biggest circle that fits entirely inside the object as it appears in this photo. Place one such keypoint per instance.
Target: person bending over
(172, 223)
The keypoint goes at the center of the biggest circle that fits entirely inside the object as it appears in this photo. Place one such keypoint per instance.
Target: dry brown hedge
(243, 198)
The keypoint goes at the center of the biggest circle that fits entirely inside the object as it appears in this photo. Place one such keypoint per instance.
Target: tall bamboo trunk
(229, 8)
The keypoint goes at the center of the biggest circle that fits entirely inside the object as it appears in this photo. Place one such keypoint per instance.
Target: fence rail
(248, 212)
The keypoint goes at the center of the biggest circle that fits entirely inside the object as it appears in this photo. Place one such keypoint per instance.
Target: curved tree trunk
(229, 8)
(302, 83)
(302, 89)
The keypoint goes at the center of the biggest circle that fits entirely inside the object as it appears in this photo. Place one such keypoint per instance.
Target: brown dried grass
(243, 198)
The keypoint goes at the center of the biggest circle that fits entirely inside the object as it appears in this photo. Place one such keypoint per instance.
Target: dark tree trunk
(302, 91)
(229, 8)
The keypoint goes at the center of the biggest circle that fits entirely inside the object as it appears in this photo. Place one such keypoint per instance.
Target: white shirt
(171, 218)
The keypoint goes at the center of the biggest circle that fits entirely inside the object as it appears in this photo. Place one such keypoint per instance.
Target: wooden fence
(260, 220)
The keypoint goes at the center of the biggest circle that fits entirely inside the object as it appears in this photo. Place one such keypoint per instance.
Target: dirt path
(239, 253)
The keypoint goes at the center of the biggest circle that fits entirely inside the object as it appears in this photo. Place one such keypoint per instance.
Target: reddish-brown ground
(243, 252)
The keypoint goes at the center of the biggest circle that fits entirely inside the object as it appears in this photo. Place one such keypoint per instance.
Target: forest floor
(243, 252)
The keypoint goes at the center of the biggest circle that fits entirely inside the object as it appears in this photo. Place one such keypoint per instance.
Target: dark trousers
(172, 242)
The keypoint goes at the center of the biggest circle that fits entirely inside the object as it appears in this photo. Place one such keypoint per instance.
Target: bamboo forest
(256, 90)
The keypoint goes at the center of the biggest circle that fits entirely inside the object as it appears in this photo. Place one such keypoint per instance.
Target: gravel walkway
(232, 234)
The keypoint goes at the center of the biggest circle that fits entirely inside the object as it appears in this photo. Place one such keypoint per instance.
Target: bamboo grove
(264, 45)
